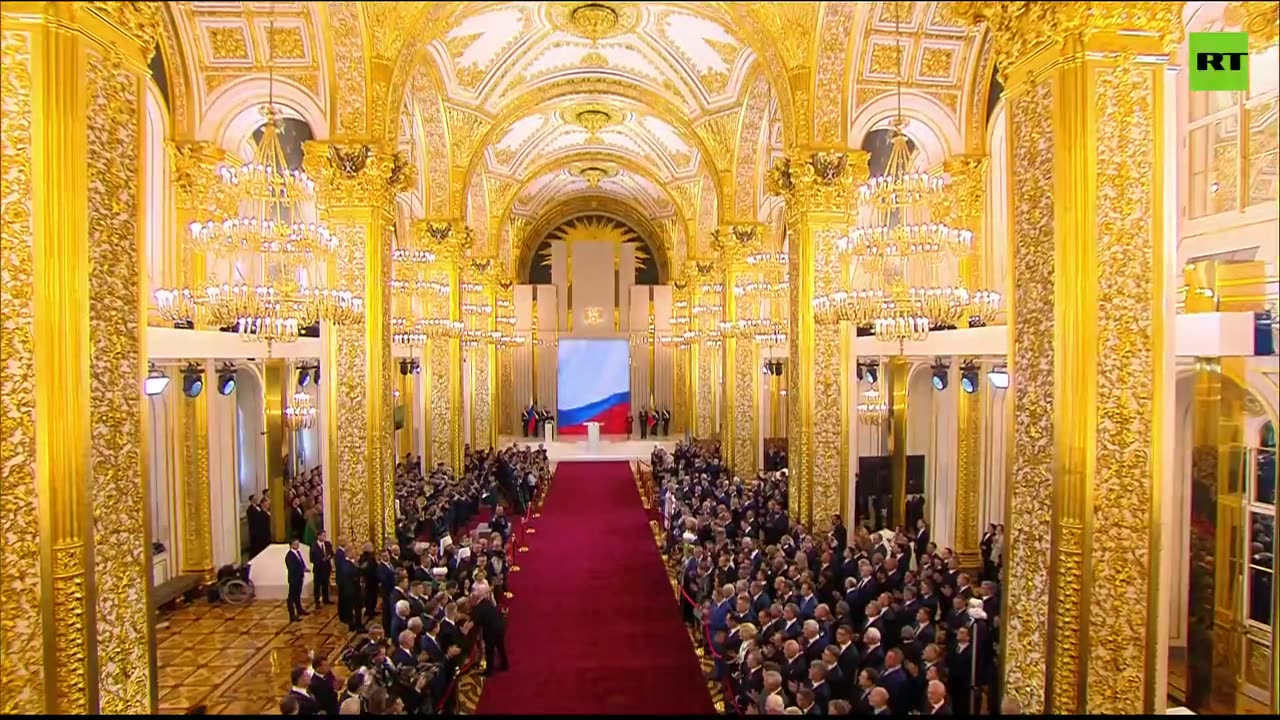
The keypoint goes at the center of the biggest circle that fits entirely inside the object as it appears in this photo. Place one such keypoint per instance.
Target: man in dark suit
(524, 422)
(867, 679)
(642, 421)
(300, 690)
(493, 629)
(296, 569)
(297, 520)
(666, 422)
(936, 697)
(350, 609)
(322, 565)
(403, 654)
(960, 673)
(323, 686)
(253, 518)
(894, 680)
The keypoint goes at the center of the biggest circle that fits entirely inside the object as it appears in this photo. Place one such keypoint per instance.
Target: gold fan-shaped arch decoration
(596, 228)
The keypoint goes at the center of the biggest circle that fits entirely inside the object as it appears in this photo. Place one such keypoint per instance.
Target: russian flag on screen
(593, 385)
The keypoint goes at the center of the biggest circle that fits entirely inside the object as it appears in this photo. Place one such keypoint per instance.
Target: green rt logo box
(1219, 61)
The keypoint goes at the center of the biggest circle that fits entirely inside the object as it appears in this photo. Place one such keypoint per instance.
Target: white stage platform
(576, 448)
(270, 579)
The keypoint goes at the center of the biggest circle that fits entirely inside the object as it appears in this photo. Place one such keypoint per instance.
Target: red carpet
(593, 626)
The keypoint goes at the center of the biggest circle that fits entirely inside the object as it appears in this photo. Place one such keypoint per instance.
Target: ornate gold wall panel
(744, 407)
(195, 520)
(442, 418)
(817, 187)
(507, 410)
(481, 397)
(356, 188)
(1086, 86)
(680, 400)
(705, 413)
(21, 629)
(968, 476)
(122, 554)
(75, 617)
(1030, 492)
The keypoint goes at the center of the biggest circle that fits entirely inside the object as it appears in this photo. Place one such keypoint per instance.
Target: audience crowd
(426, 608)
(833, 621)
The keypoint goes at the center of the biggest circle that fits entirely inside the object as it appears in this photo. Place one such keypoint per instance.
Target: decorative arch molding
(233, 114)
(943, 139)
(752, 134)
(544, 97)
(181, 105)
(608, 206)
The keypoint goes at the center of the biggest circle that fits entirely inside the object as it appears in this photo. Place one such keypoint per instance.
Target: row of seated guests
(822, 623)
(412, 670)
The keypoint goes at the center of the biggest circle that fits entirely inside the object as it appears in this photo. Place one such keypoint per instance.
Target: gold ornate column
(76, 634)
(449, 240)
(681, 416)
(276, 389)
(195, 520)
(1086, 88)
(967, 201)
(702, 354)
(739, 437)
(355, 188)
(818, 187)
(899, 378)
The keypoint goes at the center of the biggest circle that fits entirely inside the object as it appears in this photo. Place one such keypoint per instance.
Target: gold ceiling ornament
(593, 174)
(593, 117)
(594, 21)
(1261, 20)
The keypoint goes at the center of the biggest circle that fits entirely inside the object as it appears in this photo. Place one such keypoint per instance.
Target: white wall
(251, 453)
(224, 492)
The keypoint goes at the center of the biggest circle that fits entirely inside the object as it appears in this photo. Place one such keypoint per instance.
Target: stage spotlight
(940, 376)
(304, 378)
(969, 379)
(155, 382)
(873, 374)
(226, 381)
(192, 381)
(999, 378)
(315, 375)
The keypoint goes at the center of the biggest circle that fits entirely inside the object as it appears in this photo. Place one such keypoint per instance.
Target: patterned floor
(237, 660)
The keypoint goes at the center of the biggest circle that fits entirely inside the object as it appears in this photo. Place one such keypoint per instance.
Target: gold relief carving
(350, 93)
(686, 195)
(177, 71)
(140, 21)
(829, 73)
(594, 20)
(680, 386)
(483, 402)
(1260, 19)
(949, 100)
(936, 63)
(790, 27)
(21, 631)
(353, 469)
(817, 181)
(197, 550)
(122, 557)
(287, 43)
(507, 378)
(228, 43)
(195, 173)
(719, 134)
(1022, 29)
(442, 420)
(1123, 495)
(887, 59)
(705, 419)
(1068, 585)
(382, 484)
(744, 409)
(1030, 493)
(456, 45)
(356, 175)
(744, 175)
(824, 431)
(981, 89)
(71, 631)
(466, 130)
(435, 145)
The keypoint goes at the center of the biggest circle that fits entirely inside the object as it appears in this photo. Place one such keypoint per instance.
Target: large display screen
(594, 385)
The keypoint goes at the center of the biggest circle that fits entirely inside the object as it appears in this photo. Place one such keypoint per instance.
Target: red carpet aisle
(593, 627)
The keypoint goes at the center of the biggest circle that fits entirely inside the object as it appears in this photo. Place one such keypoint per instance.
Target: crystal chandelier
(872, 409)
(274, 250)
(898, 251)
(301, 412)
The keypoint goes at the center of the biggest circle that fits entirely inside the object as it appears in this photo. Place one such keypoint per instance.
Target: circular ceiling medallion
(593, 117)
(593, 173)
(594, 20)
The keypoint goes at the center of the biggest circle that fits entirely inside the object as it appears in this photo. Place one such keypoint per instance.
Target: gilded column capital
(448, 239)
(813, 180)
(139, 22)
(963, 206)
(353, 175)
(733, 241)
(195, 172)
(1260, 19)
(1023, 29)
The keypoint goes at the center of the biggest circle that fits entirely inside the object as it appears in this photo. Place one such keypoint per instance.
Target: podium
(593, 433)
(548, 430)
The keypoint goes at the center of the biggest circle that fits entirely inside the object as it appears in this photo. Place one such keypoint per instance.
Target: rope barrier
(472, 659)
(730, 691)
